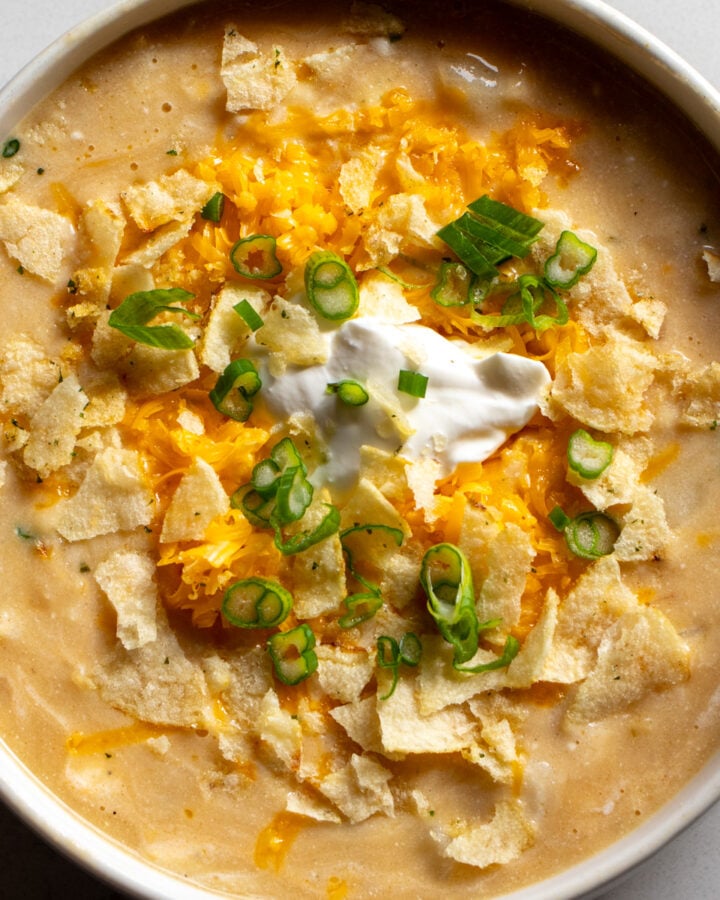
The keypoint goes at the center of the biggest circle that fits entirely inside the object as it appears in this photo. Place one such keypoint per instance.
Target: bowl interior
(24, 792)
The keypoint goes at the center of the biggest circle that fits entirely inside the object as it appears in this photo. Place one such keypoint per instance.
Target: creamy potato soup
(359, 455)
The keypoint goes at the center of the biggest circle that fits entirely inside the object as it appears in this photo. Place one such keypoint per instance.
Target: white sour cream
(470, 408)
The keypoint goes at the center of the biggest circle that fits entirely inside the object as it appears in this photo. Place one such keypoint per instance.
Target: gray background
(689, 867)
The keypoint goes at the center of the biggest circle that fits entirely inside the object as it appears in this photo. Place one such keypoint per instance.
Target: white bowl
(104, 858)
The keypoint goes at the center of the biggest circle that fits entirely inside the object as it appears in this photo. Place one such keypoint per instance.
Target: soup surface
(359, 407)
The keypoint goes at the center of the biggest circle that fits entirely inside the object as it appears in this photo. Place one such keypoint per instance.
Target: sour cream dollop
(470, 408)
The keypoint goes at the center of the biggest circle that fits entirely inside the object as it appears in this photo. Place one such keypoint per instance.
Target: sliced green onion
(256, 257)
(390, 654)
(572, 259)
(330, 285)
(368, 529)
(234, 389)
(559, 518)
(256, 603)
(305, 539)
(592, 535)
(249, 315)
(407, 285)
(490, 233)
(360, 608)
(413, 383)
(10, 148)
(510, 651)
(278, 492)
(293, 496)
(136, 310)
(523, 305)
(410, 649)
(454, 285)
(447, 580)
(256, 508)
(586, 456)
(292, 654)
(213, 209)
(351, 393)
(285, 455)
(523, 226)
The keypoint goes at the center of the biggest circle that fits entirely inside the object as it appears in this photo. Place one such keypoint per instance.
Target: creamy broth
(207, 797)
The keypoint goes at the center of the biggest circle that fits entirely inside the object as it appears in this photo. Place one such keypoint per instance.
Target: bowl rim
(97, 852)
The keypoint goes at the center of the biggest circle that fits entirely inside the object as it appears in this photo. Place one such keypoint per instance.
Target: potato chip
(254, 79)
(172, 198)
(641, 652)
(198, 499)
(114, 496)
(226, 330)
(55, 427)
(126, 578)
(360, 789)
(605, 387)
(498, 841)
(39, 239)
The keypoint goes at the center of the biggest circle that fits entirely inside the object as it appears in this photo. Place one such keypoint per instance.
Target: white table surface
(689, 867)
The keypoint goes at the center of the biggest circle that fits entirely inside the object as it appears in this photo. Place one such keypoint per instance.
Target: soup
(358, 439)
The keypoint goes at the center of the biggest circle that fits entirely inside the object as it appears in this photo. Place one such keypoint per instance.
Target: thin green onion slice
(510, 651)
(592, 535)
(391, 654)
(256, 603)
(488, 234)
(350, 392)
(388, 657)
(285, 456)
(454, 285)
(256, 508)
(265, 477)
(360, 608)
(293, 496)
(447, 581)
(292, 654)
(559, 518)
(10, 148)
(586, 456)
(213, 209)
(256, 257)
(278, 492)
(235, 388)
(136, 310)
(249, 315)
(366, 529)
(306, 539)
(412, 383)
(571, 260)
(410, 647)
(523, 226)
(523, 306)
(407, 285)
(330, 286)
